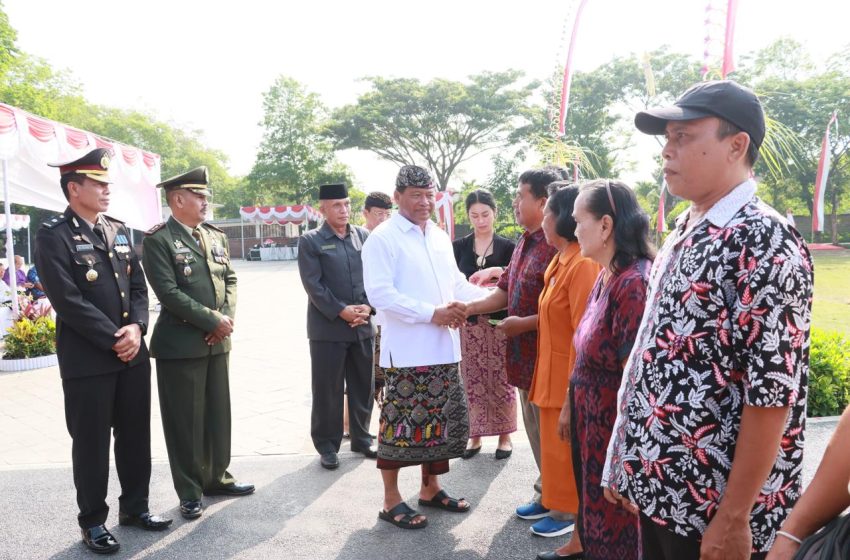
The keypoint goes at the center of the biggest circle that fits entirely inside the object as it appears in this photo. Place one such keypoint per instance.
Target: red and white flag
(822, 176)
(568, 72)
(661, 222)
(729, 41)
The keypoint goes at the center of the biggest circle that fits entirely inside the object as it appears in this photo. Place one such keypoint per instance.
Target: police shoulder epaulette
(155, 228)
(54, 221)
(111, 219)
(214, 228)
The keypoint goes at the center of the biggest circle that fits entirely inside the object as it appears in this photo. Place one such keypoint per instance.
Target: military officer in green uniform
(92, 276)
(187, 263)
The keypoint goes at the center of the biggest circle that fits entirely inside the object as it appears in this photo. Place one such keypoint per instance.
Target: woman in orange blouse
(567, 283)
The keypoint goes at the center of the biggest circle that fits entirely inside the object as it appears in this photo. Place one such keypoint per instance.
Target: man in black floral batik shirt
(708, 442)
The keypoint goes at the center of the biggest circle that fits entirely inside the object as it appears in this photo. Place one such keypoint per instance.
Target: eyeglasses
(610, 196)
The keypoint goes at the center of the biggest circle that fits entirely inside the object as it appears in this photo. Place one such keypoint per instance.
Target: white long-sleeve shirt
(407, 274)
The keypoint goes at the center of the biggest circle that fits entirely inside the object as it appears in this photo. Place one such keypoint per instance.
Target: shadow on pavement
(469, 479)
(251, 520)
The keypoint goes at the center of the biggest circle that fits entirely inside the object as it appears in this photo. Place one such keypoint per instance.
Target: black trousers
(335, 365)
(662, 544)
(96, 408)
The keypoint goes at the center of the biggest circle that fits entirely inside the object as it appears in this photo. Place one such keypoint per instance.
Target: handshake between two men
(454, 314)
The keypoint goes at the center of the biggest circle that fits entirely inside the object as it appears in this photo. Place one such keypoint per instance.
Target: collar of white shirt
(725, 208)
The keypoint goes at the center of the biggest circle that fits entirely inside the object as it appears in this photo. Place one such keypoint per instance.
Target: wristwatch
(143, 326)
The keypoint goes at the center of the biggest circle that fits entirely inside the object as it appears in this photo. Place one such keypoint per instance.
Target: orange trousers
(556, 465)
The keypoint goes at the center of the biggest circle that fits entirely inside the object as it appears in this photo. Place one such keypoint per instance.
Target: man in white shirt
(412, 279)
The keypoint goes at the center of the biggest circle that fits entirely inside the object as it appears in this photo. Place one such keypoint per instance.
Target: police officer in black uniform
(92, 277)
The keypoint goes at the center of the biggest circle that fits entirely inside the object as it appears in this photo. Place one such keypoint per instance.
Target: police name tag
(328, 247)
(85, 247)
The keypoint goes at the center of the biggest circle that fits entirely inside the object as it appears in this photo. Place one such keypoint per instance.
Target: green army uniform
(196, 285)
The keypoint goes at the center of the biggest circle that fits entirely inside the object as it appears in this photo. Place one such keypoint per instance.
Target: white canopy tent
(28, 143)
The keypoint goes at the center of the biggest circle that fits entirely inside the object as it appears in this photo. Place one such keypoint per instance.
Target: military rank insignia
(122, 244)
(183, 258)
(219, 255)
(91, 273)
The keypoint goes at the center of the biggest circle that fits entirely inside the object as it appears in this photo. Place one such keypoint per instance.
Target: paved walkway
(299, 510)
(270, 381)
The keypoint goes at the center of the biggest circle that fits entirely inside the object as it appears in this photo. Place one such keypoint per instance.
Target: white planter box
(25, 364)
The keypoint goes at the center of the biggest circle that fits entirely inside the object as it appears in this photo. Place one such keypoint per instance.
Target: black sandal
(452, 505)
(405, 522)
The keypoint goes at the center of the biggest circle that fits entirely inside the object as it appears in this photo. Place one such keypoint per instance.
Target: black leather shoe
(232, 489)
(503, 454)
(370, 452)
(329, 460)
(471, 452)
(100, 540)
(191, 509)
(555, 556)
(144, 521)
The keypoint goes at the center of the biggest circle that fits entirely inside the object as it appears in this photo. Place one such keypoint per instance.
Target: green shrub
(829, 373)
(30, 338)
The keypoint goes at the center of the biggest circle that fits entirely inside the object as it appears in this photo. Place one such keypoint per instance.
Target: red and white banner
(822, 176)
(19, 221)
(445, 212)
(28, 143)
(661, 220)
(729, 42)
(295, 214)
(568, 71)
(719, 22)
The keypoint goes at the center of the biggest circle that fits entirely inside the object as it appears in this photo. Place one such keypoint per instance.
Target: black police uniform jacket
(95, 288)
(332, 275)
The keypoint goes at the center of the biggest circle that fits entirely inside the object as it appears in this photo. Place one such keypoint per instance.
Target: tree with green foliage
(31, 84)
(294, 157)
(440, 124)
(802, 97)
(602, 103)
(8, 43)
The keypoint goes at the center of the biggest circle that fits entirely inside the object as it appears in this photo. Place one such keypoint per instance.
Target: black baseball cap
(725, 99)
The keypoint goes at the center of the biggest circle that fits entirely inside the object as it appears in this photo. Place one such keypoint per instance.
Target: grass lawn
(832, 291)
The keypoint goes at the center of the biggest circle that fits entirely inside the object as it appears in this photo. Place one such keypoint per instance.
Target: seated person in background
(20, 275)
(36, 290)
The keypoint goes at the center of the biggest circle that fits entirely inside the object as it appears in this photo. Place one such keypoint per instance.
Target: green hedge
(829, 373)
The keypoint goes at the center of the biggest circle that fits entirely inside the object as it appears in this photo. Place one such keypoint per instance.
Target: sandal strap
(440, 496)
(455, 502)
(402, 507)
(452, 502)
